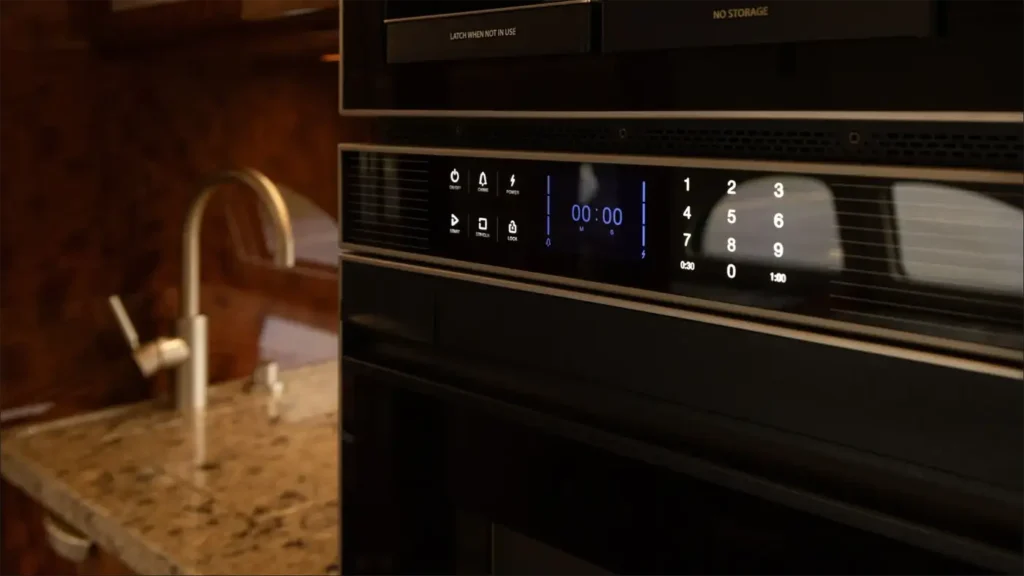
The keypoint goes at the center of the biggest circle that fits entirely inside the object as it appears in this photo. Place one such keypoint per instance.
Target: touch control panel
(900, 251)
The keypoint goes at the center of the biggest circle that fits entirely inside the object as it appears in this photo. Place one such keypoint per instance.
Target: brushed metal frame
(1005, 117)
(351, 251)
(902, 172)
(341, 58)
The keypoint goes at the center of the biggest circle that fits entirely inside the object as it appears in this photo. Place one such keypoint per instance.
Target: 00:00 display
(582, 213)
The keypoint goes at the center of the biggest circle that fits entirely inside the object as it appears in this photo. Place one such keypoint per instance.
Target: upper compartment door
(674, 55)
(646, 25)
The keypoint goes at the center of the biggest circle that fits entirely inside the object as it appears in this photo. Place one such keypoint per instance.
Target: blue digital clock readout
(597, 208)
(582, 214)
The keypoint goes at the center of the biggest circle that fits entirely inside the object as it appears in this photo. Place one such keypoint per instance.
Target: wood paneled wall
(99, 160)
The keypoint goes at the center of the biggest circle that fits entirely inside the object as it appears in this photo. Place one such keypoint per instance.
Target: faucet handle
(152, 356)
(125, 322)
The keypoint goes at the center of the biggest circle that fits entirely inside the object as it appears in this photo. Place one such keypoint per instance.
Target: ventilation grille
(386, 202)
(961, 145)
(981, 150)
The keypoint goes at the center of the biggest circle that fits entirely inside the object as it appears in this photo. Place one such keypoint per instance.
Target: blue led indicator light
(643, 214)
(548, 226)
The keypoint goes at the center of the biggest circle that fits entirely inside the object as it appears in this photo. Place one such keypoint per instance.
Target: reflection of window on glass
(316, 233)
(955, 237)
(760, 225)
(292, 344)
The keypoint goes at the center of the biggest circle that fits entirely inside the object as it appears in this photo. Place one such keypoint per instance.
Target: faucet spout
(272, 199)
(192, 327)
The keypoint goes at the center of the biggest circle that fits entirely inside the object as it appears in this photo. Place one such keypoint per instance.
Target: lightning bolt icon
(512, 181)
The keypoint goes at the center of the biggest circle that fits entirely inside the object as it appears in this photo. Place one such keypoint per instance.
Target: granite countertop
(230, 492)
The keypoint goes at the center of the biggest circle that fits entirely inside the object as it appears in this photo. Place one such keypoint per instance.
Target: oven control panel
(937, 253)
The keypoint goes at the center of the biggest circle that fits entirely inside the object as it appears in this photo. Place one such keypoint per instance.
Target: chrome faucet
(188, 353)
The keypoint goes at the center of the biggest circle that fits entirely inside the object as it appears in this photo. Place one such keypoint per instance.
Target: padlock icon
(512, 227)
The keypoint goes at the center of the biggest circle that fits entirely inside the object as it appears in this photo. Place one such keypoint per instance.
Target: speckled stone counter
(230, 492)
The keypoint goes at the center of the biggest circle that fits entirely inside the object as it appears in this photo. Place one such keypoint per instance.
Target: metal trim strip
(946, 174)
(1006, 117)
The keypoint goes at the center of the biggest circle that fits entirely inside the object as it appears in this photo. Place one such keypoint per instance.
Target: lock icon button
(512, 228)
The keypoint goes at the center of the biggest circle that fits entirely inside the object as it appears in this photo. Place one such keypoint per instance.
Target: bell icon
(483, 179)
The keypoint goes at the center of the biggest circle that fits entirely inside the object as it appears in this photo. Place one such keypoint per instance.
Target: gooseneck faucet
(189, 352)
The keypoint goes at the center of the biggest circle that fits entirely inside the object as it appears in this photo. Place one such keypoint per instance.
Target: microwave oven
(628, 277)
(836, 346)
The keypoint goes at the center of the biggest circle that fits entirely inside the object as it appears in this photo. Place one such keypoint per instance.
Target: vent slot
(386, 202)
(962, 145)
(945, 148)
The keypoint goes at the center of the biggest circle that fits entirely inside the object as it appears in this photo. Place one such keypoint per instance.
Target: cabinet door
(25, 551)
(128, 22)
(23, 540)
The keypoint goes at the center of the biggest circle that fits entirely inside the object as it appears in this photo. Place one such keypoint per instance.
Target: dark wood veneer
(100, 159)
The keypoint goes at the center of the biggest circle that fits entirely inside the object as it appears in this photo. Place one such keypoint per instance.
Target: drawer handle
(68, 543)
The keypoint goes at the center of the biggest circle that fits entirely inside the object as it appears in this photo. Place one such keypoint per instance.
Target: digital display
(596, 210)
(936, 258)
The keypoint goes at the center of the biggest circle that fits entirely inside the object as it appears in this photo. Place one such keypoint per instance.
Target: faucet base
(191, 376)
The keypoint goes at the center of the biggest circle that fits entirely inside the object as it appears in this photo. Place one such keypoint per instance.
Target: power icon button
(455, 183)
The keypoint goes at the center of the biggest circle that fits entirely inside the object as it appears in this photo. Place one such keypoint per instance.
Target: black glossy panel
(969, 63)
(614, 511)
(390, 302)
(535, 31)
(868, 430)
(961, 422)
(655, 25)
